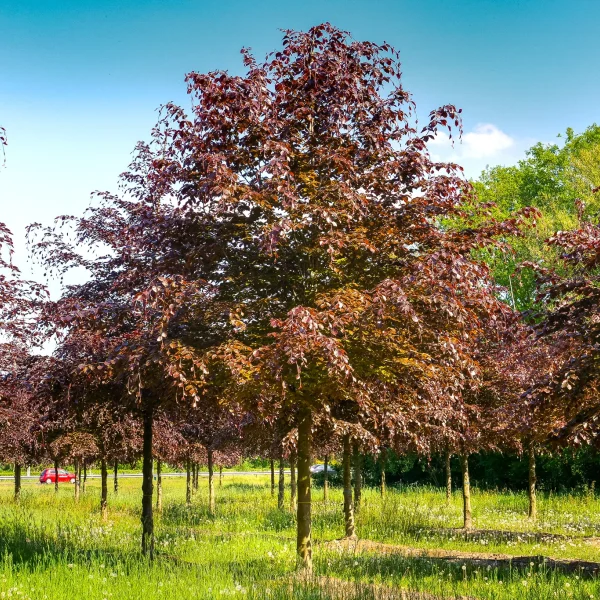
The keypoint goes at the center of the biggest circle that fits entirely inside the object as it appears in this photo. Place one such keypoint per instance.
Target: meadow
(412, 547)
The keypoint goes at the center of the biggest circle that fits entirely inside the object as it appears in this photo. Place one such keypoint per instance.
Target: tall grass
(52, 548)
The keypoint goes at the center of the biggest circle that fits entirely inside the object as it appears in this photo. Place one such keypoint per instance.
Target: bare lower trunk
(272, 477)
(303, 539)
(382, 464)
(211, 484)
(84, 476)
(17, 482)
(159, 485)
(197, 477)
(326, 478)
(448, 460)
(281, 491)
(147, 485)
(104, 490)
(77, 479)
(116, 477)
(56, 476)
(348, 507)
(194, 477)
(357, 478)
(293, 486)
(532, 482)
(467, 516)
(188, 482)
(220, 476)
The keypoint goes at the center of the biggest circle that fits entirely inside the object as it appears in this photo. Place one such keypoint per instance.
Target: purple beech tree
(289, 228)
(324, 207)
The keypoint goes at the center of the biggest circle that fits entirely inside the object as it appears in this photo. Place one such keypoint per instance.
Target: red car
(49, 476)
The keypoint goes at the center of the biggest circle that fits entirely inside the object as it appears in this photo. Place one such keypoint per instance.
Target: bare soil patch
(480, 559)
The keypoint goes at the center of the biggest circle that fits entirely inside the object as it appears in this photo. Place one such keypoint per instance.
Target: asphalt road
(139, 475)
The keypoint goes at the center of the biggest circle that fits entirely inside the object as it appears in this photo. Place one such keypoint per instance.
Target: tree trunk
(326, 478)
(382, 463)
(104, 492)
(56, 476)
(17, 482)
(220, 475)
(281, 492)
(348, 507)
(188, 482)
(448, 460)
(272, 477)
(357, 478)
(147, 485)
(77, 479)
(84, 475)
(468, 518)
(532, 482)
(116, 482)
(303, 539)
(196, 476)
(293, 486)
(211, 484)
(159, 485)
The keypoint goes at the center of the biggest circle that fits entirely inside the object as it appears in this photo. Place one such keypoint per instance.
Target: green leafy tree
(550, 177)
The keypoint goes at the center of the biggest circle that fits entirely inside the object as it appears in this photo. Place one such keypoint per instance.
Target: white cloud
(484, 141)
(484, 144)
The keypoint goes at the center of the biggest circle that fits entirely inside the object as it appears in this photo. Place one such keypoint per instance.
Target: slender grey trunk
(147, 485)
(159, 489)
(56, 475)
(326, 478)
(188, 482)
(211, 484)
(348, 506)
(467, 515)
(304, 524)
(532, 483)
(104, 490)
(382, 464)
(116, 477)
(17, 482)
(77, 479)
(84, 475)
(220, 475)
(281, 492)
(272, 477)
(448, 460)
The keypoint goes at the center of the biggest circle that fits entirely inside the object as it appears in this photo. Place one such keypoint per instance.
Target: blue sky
(80, 80)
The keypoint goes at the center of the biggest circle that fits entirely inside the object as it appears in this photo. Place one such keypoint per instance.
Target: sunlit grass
(51, 547)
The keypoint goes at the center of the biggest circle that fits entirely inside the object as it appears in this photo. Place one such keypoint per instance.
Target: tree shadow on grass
(245, 487)
(462, 562)
(182, 514)
(32, 545)
(496, 535)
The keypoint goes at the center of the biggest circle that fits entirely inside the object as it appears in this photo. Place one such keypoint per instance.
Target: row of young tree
(288, 273)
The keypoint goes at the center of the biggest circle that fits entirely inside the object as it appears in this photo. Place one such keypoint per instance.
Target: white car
(320, 469)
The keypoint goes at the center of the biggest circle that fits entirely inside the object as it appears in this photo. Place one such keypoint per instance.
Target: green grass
(52, 548)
